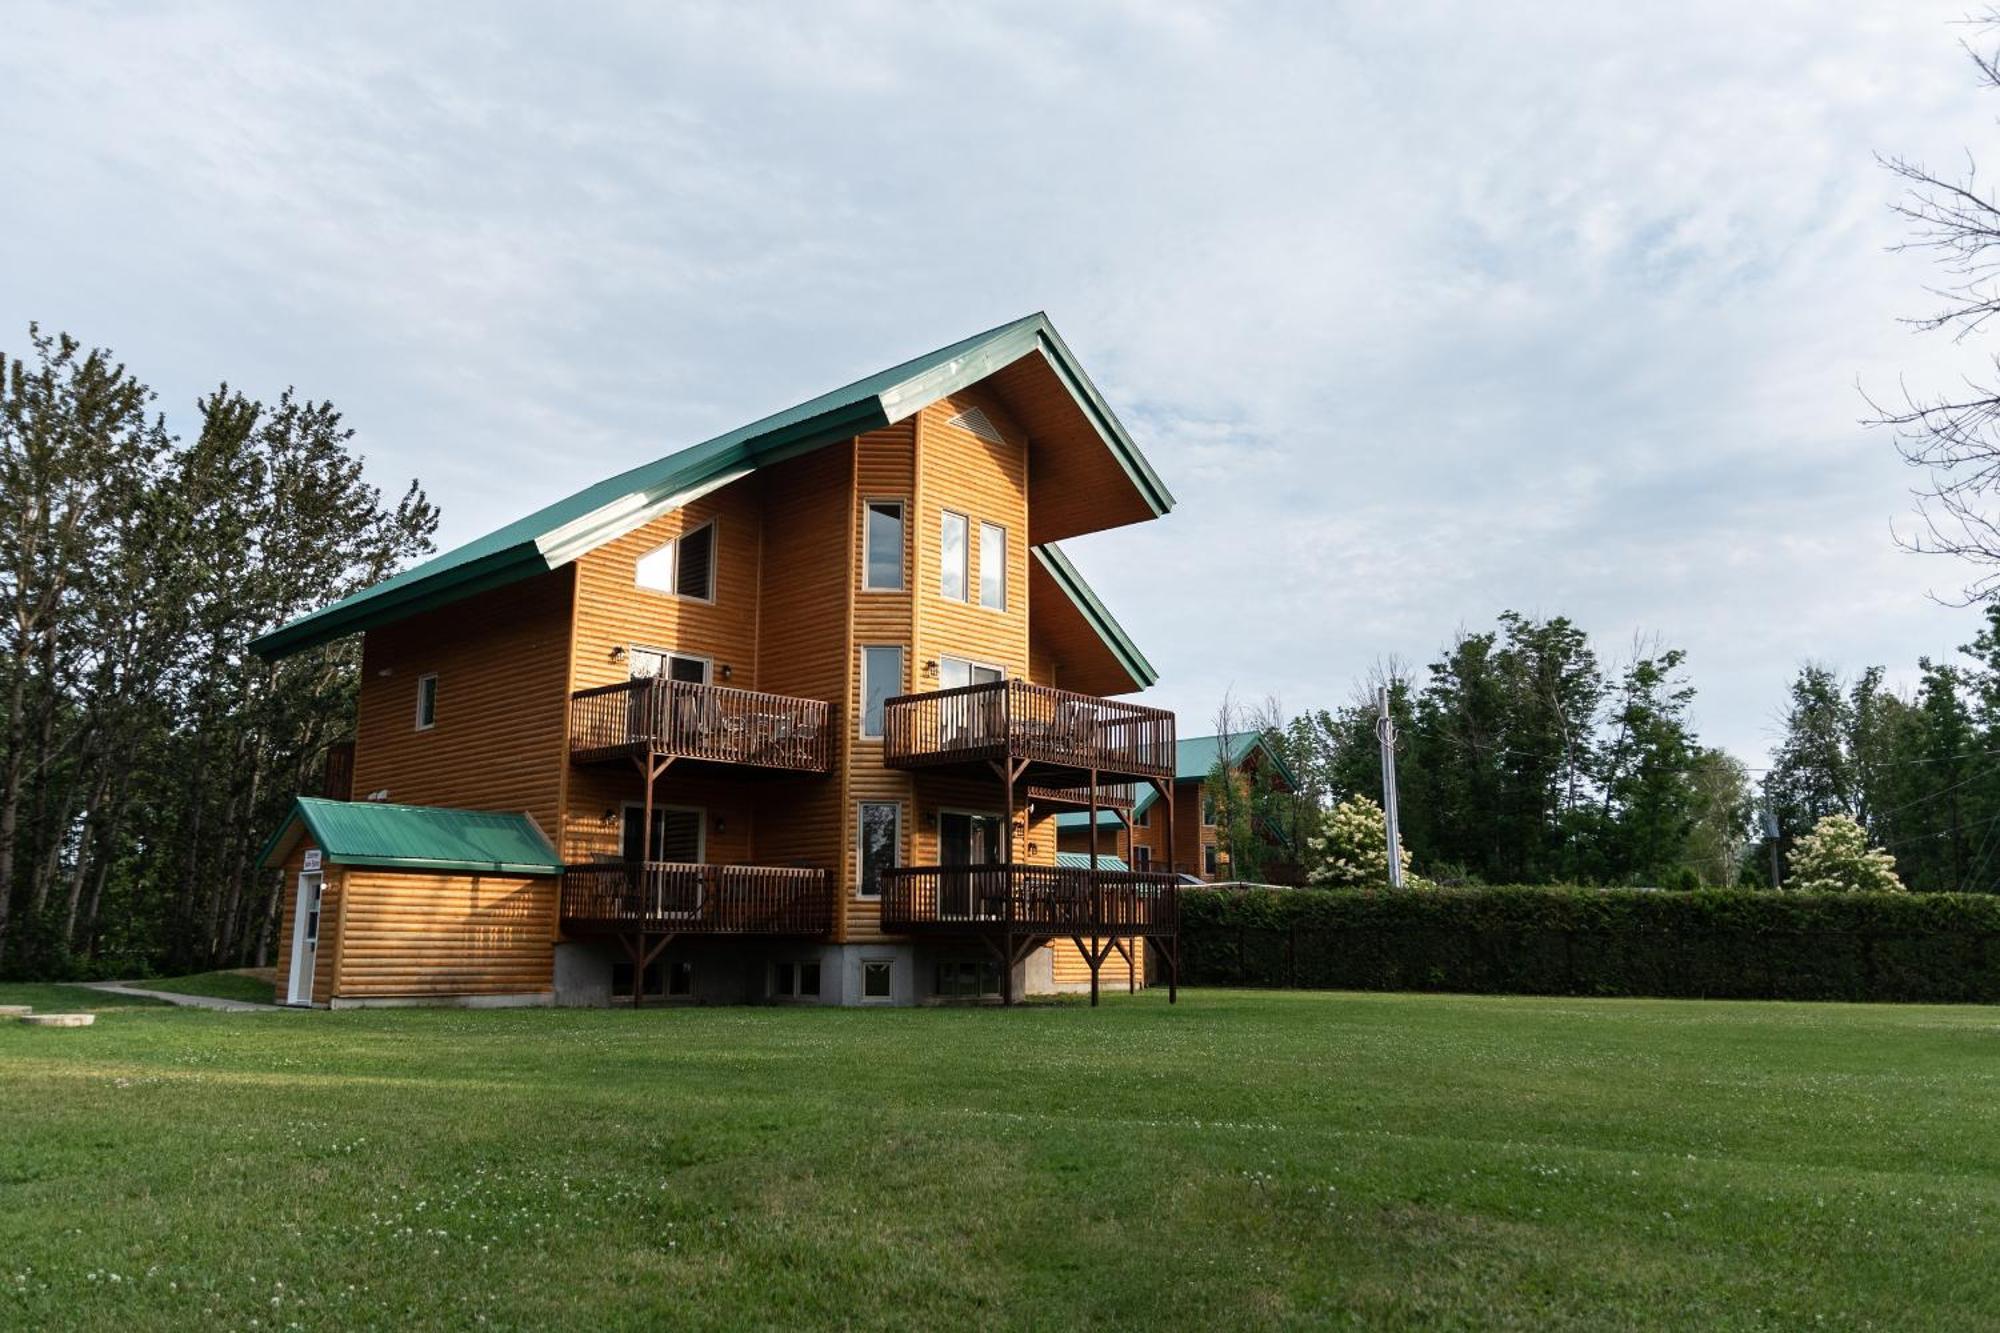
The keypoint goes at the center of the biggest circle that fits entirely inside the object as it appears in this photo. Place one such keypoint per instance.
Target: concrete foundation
(728, 971)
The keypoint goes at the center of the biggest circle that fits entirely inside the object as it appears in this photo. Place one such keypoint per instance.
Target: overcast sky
(1422, 311)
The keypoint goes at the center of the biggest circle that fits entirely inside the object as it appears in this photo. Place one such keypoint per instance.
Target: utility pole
(1385, 731)
(1771, 832)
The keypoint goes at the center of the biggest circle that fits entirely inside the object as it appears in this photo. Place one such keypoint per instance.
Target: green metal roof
(1194, 759)
(553, 536)
(1081, 861)
(416, 837)
(1098, 615)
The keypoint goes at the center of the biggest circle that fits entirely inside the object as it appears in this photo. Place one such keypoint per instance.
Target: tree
(1351, 851)
(1954, 437)
(1721, 814)
(1648, 811)
(1836, 858)
(146, 755)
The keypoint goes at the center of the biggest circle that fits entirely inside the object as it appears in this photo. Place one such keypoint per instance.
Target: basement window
(796, 981)
(876, 978)
(968, 979)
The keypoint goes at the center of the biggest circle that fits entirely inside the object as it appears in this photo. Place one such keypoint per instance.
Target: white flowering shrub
(1351, 850)
(1836, 858)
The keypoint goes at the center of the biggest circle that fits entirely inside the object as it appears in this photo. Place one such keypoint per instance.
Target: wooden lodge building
(789, 715)
(1140, 832)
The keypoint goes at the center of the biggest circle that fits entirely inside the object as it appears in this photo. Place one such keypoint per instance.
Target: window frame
(1211, 859)
(888, 965)
(1142, 857)
(984, 528)
(788, 979)
(868, 505)
(902, 669)
(424, 723)
(964, 595)
(660, 810)
(861, 847)
(672, 545)
(667, 656)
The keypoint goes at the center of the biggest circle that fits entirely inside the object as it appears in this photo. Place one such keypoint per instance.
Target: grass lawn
(229, 985)
(1240, 1160)
(59, 999)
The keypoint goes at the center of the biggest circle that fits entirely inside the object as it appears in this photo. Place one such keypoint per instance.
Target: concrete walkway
(192, 1001)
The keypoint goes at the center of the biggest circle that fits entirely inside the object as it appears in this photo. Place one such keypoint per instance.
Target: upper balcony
(710, 724)
(1061, 737)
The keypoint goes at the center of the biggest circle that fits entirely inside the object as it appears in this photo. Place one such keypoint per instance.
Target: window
(648, 662)
(882, 546)
(993, 566)
(1211, 859)
(677, 834)
(1143, 818)
(795, 980)
(427, 702)
(876, 978)
(952, 557)
(956, 671)
(680, 978)
(1142, 858)
(878, 843)
(621, 980)
(684, 567)
(968, 979)
(1207, 810)
(881, 681)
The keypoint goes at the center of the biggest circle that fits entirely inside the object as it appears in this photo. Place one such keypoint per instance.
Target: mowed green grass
(1238, 1160)
(224, 985)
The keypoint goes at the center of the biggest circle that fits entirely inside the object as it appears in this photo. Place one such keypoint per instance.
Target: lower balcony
(1055, 901)
(681, 898)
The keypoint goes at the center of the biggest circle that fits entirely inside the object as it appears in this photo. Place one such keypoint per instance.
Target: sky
(1423, 311)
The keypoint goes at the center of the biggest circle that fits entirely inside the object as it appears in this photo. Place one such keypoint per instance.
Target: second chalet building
(787, 715)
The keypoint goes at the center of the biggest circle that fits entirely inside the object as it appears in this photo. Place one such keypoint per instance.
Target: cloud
(1423, 311)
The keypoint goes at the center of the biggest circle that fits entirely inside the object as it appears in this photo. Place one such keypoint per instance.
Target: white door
(305, 938)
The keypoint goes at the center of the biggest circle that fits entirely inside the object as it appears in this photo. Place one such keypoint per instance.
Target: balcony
(1025, 900)
(676, 898)
(658, 718)
(1057, 737)
(1114, 796)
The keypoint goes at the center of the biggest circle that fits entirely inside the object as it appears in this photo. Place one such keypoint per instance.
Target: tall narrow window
(952, 557)
(1211, 860)
(684, 567)
(427, 702)
(881, 681)
(993, 566)
(878, 839)
(882, 541)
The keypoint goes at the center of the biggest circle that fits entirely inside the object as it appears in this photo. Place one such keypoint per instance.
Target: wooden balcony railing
(1029, 900)
(698, 899)
(1012, 719)
(713, 723)
(1110, 796)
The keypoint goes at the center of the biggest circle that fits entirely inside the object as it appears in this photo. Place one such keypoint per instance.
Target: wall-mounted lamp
(727, 671)
(930, 819)
(931, 667)
(381, 795)
(1033, 849)
(386, 671)
(720, 825)
(610, 815)
(618, 652)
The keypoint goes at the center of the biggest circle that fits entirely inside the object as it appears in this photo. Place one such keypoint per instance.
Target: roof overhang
(1123, 489)
(322, 820)
(1095, 653)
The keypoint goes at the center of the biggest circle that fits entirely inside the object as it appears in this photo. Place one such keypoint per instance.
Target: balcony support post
(1131, 968)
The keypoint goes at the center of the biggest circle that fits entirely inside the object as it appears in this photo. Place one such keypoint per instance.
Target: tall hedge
(1574, 941)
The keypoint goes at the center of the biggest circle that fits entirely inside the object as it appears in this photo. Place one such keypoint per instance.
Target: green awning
(1081, 861)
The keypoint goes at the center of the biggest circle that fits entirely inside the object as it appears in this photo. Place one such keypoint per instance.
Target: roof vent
(978, 423)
